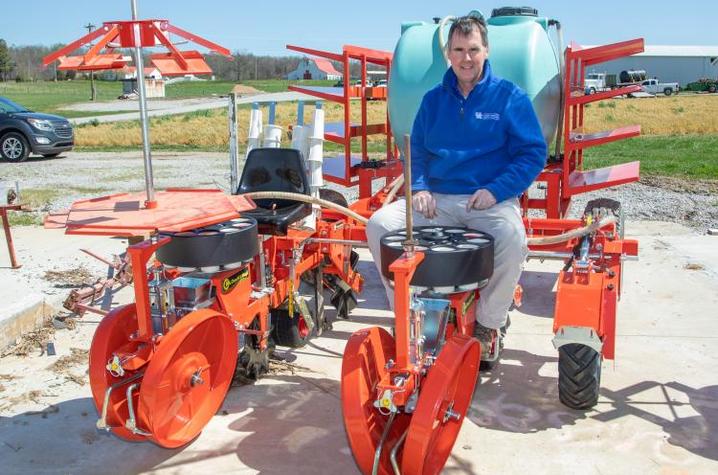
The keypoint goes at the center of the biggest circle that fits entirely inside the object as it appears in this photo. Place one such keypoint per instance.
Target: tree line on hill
(24, 63)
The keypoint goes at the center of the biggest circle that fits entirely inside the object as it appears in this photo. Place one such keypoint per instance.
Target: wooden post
(233, 146)
(8, 236)
(93, 89)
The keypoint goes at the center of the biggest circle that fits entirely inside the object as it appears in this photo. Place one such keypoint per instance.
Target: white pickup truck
(653, 86)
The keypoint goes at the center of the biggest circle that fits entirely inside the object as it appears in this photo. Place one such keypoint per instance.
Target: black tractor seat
(275, 169)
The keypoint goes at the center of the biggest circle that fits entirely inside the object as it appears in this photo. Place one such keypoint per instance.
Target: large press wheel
(455, 258)
(188, 377)
(443, 402)
(112, 333)
(364, 364)
(579, 376)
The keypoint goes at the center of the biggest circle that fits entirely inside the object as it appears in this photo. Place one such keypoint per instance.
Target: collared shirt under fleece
(491, 139)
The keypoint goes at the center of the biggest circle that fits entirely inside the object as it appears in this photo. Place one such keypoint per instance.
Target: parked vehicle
(654, 86)
(23, 131)
(597, 82)
(703, 85)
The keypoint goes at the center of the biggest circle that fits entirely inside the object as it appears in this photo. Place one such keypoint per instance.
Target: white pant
(502, 221)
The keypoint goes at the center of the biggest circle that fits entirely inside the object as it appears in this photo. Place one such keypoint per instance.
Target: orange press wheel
(188, 377)
(443, 401)
(112, 333)
(363, 366)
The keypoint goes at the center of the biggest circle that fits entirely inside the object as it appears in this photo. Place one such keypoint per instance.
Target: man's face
(467, 55)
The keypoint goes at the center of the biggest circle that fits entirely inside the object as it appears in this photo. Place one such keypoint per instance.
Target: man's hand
(424, 202)
(481, 199)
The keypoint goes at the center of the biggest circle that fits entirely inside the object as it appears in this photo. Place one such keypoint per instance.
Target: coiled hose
(574, 233)
(283, 195)
(393, 189)
(534, 241)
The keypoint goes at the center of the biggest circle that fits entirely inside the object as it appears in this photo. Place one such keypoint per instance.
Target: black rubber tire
(50, 155)
(668, 91)
(591, 91)
(17, 140)
(615, 207)
(712, 89)
(579, 376)
(287, 331)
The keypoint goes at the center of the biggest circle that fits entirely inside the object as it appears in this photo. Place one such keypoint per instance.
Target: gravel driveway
(85, 175)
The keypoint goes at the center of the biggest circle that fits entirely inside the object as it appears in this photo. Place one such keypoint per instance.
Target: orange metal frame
(352, 171)
(566, 177)
(130, 34)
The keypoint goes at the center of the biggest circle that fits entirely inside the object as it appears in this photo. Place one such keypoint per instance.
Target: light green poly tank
(520, 50)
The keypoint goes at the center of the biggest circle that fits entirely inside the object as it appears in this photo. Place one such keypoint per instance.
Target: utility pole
(93, 91)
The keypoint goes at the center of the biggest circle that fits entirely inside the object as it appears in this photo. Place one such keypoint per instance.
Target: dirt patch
(277, 367)
(90, 437)
(243, 90)
(30, 396)
(75, 277)
(63, 365)
(682, 185)
(693, 266)
(32, 341)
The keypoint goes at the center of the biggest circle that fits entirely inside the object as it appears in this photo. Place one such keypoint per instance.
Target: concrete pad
(26, 297)
(657, 413)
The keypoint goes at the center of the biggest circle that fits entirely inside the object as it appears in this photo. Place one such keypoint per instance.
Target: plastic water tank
(520, 50)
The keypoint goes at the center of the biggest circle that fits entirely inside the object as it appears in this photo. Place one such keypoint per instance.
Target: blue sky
(265, 27)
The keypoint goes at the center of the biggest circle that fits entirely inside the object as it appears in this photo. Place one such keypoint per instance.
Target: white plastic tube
(255, 129)
(272, 136)
(315, 157)
(297, 137)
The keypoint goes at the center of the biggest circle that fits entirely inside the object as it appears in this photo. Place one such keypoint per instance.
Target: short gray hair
(465, 25)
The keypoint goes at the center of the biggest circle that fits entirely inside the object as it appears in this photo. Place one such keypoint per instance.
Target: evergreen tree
(6, 64)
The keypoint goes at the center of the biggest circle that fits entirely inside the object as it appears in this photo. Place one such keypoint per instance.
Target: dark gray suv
(23, 131)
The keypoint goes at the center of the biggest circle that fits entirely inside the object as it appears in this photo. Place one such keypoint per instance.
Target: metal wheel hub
(12, 147)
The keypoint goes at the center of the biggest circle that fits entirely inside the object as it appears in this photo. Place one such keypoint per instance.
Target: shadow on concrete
(61, 437)
(697, 434)
(297, 428)
(538, 294)
(516, 398)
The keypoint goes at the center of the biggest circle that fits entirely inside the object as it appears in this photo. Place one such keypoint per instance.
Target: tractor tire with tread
(290, 331)
(579, 376)
(613, 206)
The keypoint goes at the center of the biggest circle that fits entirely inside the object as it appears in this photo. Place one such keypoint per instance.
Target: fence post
(233, 152)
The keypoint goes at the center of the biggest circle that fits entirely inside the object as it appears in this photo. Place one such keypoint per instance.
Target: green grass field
(685, 156)
(680, 134)
(49, 97)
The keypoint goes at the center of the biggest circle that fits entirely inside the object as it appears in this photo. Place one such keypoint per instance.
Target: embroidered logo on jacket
(487, 115)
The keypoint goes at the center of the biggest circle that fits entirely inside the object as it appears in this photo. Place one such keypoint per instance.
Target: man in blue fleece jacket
(476, 145)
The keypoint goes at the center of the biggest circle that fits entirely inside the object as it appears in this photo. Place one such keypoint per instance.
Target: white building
(130, 72)
(315, 68)
(681, 64)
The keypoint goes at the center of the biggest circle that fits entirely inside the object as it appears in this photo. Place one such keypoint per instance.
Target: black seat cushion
(275, 169)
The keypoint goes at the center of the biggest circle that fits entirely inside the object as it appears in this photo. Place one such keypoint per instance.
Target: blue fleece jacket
(491, 139)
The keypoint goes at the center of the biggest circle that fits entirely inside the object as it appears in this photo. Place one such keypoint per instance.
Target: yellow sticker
(229, 283)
